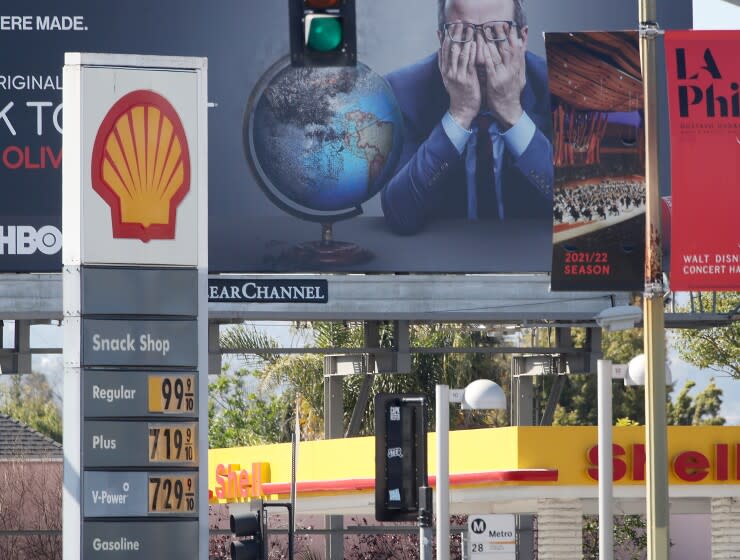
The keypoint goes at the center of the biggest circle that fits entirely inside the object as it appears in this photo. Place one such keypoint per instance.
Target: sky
(716, 14)
(708, 14)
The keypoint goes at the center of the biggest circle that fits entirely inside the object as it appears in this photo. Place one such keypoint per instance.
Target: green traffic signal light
(324, 33)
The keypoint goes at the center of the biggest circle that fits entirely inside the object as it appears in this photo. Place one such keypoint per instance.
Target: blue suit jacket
(430, 179)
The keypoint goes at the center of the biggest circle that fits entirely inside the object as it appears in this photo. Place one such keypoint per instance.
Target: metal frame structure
(521, 300)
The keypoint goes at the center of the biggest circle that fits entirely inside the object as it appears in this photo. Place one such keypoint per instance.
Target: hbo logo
(26, 240)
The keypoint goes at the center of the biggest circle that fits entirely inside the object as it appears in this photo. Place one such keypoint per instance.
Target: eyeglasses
(464, 32)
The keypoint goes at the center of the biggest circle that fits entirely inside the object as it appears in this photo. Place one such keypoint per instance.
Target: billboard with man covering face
(433, 154)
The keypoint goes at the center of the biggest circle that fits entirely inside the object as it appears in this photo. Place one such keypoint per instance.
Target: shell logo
(141, 166)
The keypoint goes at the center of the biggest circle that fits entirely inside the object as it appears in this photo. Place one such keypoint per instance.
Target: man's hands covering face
(505, 78)
(501, 68)
(457, 66)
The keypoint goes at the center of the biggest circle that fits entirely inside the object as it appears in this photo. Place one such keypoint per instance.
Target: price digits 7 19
(172, 442)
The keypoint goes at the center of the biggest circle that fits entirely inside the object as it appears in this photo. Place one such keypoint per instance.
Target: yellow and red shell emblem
(141, 165)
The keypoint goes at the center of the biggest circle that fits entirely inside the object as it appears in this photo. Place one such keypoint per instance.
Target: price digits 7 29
(172, 494)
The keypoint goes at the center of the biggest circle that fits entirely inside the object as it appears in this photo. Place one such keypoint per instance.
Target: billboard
(320, 183)
(599, 161)
(705, 133)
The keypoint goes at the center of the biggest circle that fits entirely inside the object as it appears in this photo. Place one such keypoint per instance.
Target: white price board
(492, 537)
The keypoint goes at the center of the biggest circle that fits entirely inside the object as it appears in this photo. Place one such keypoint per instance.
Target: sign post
(653, 313)
(492, 537)
(135, 315)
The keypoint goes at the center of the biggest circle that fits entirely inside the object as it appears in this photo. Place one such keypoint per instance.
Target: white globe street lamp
(482, 394)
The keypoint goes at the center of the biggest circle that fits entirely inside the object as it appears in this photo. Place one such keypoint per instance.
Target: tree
(716, 348)
(579, 398)
(703, 409)
(238, 415)
(578, 403)
(30, 509)
(30, 399)
(300, 377)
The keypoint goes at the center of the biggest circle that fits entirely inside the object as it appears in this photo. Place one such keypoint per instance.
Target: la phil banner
(599, 160)
(704, 100)
(339, 170)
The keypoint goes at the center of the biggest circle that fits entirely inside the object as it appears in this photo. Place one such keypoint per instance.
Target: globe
(322, 141)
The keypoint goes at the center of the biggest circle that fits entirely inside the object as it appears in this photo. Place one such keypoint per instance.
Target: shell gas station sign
(135, 307)
(141, 165)
(549, 460)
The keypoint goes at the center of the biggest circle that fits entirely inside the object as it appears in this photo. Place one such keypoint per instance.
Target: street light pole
(442, 505)
(481, 394)
(606, 512)
(654, 320)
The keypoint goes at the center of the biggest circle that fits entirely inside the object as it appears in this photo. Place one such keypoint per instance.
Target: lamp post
(633, 374)
(481, 394)
(610, 319)
(606, 497)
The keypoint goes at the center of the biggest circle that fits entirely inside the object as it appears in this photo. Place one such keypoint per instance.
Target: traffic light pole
(654, 321)
(425, 522)
(426, 500)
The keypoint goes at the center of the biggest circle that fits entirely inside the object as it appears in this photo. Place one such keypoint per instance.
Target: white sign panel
(492, 537)
(135, 232)
(138, 167)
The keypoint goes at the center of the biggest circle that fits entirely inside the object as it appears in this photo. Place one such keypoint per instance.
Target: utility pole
(654, 320)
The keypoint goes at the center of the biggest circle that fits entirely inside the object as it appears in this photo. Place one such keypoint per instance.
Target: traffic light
(323, 33)
(400, 455)
(249, 524)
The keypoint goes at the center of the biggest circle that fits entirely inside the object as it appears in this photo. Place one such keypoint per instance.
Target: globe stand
(327, 251)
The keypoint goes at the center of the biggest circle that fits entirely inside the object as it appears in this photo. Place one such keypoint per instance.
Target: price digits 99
(172, 393)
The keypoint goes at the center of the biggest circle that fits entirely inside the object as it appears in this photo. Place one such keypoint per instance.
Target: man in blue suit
(477, 123)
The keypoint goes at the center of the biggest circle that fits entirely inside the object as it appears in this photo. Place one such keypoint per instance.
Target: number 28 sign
(492, 537)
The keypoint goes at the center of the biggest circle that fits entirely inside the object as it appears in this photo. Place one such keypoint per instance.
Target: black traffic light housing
(250, 524)
(253, 525)
(400, 455)
(323, 33)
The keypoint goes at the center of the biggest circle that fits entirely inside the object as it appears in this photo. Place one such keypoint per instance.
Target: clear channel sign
(135, 307)
(492, 537)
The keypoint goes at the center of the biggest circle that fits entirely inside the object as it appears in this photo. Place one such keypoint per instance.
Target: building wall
(691, 537)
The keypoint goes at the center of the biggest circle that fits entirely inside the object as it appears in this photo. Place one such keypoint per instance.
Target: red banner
(704, 99)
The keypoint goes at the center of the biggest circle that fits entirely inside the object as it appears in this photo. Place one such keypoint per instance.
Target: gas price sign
(171, 394)
(172, 493)
(173, 443)
(125, 394)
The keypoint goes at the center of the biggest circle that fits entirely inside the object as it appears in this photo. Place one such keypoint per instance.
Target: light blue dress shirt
(515, 140)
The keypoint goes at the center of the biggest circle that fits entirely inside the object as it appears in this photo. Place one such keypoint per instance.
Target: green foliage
(716, 348)
(578, 403)
(626, 422)
(703, 409)
(30, 399)
(579, 398)
(621, 346)
(238, 416)
(299, 378)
